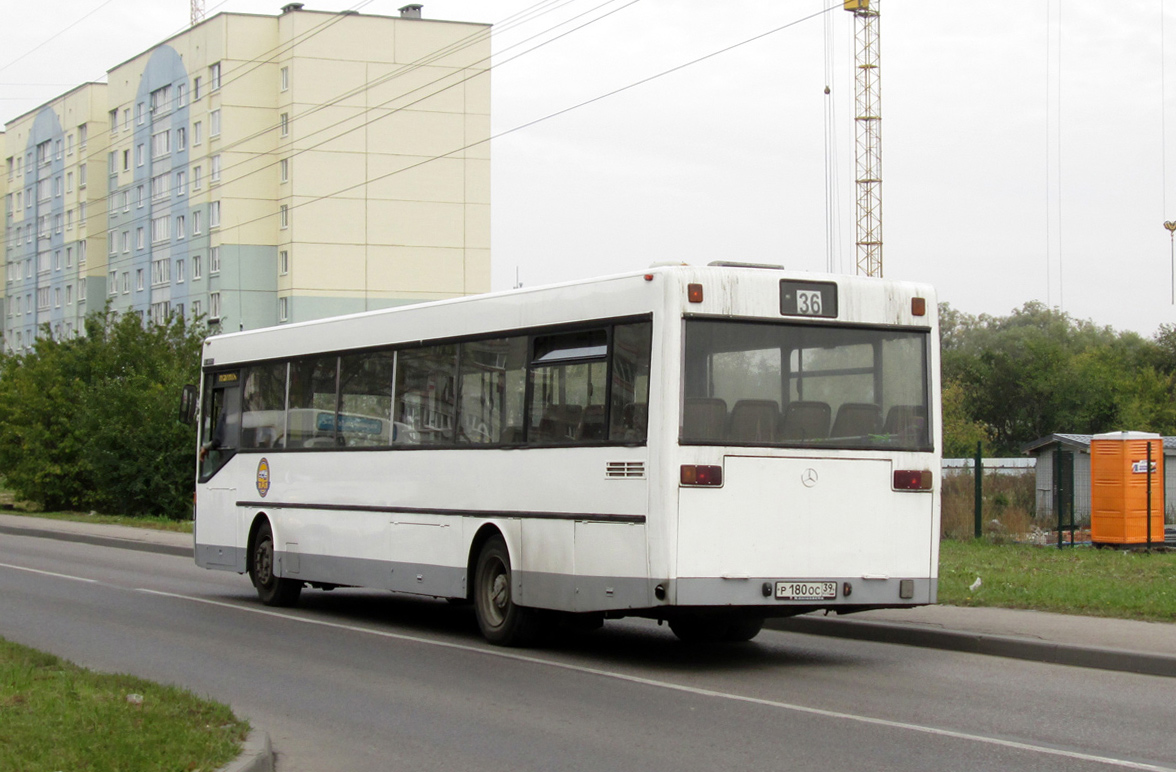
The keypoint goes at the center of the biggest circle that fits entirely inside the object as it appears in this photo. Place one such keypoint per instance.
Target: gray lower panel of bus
(578, 593)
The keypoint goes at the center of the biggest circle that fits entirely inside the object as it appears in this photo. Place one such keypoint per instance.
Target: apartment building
(258, 170)
(52, 195)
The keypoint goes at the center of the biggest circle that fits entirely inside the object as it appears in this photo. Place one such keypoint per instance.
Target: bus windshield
(798, 385)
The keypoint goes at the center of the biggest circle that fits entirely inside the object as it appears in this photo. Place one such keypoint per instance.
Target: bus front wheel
(502, 621)
(273, 590)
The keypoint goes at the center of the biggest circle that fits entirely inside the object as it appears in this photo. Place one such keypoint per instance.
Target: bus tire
(273, 590)
(742, 629)
(699, 628)
(501, 621)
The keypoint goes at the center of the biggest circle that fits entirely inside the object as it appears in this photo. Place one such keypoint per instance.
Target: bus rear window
(797, 385)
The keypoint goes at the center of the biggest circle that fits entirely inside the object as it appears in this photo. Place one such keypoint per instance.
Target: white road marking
(51, 573)
(503, 654)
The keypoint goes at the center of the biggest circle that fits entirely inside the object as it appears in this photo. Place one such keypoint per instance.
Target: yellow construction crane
(868, 146)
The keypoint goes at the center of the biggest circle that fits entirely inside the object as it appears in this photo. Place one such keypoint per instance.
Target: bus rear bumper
(785, 597)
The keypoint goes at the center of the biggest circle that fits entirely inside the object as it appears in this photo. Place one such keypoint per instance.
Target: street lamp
(1171, 226)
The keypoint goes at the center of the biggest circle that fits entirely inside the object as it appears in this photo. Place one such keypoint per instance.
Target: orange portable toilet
(1119, 488)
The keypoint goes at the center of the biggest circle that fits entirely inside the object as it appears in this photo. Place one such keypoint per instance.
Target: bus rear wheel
(273, 590)
(502, 621)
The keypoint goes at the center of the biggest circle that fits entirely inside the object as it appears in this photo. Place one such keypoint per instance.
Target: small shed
(1046, 449)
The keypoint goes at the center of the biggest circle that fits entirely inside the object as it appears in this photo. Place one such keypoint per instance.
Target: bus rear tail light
(694, 293)
(912, 480)
(918, 306)
(699, 474)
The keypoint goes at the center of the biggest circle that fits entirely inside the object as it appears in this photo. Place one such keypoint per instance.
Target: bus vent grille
(624, 469)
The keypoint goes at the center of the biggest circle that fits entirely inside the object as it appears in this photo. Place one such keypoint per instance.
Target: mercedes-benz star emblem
(809, 477)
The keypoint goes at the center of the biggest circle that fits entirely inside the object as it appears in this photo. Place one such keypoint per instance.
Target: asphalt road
(355, 680)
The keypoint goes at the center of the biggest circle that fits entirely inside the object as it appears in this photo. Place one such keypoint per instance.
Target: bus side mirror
(188, 405)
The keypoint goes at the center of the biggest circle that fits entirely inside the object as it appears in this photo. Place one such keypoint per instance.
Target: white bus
(709, 446)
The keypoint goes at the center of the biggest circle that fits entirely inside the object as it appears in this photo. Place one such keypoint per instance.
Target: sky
(1023, 144)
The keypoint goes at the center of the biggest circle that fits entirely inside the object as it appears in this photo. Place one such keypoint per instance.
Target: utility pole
(1171, 226)
(868, 121)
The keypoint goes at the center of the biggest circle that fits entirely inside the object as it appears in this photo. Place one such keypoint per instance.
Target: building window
(57, 149)
(197, 174)
(139, 114)
(195, 88)
(43, 299)
(140, 237)
(139, 280)
(195, 309)
(69, 256)
(69, 182)
(214, 123)
(284, 167)
(57, 187)
(159, 229)
(214, 306)
(214, 77)
(214, 260)
(82, 254)
(139, 196)
(284, 123)
(81, 176)
(126, 200)
(69, 294)
(82, 292)
(57, 259)
(214, 214)
(180, 271)
(285, 77)
(161, 100)
(180, 184)
(196, 221)
(215, 173)
(160, 186)
(57, 223)
(139, 154)
(284, 216)
(57, 297)
(283, 309)
(181, 139)
(83, 135)
(126, 241)
(196, 267)
(160, 272)
(197, 133)
(126, 119)
(82, 213)
(69, 215)
(160, 143)
(180, 227)
(181, 94)
(126, 160)
(113, 118)
(113, 281)
(283, 262)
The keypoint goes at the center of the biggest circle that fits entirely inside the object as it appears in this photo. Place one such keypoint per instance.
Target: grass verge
(154, 523)
(1108, 583)
(55, 715)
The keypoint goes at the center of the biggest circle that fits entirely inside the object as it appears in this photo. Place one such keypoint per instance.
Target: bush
(1008, 505)
(91, 423)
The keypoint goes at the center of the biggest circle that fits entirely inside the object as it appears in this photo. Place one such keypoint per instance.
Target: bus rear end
(807, 462)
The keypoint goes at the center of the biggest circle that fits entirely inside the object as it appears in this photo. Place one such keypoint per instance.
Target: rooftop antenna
(197, 7)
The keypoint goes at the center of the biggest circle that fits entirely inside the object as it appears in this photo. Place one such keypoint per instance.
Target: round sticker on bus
(263, 477)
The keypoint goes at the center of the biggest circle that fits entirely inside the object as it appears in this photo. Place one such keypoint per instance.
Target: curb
(101, 541)
(983, 643)
(257, 755)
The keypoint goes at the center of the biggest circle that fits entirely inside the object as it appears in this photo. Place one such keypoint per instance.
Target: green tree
(91, 423)
(1039, 371)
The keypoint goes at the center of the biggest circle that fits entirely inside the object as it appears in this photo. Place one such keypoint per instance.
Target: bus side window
(629, 411)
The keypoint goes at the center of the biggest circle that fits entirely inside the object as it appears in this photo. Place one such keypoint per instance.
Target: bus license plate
(806, 590)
